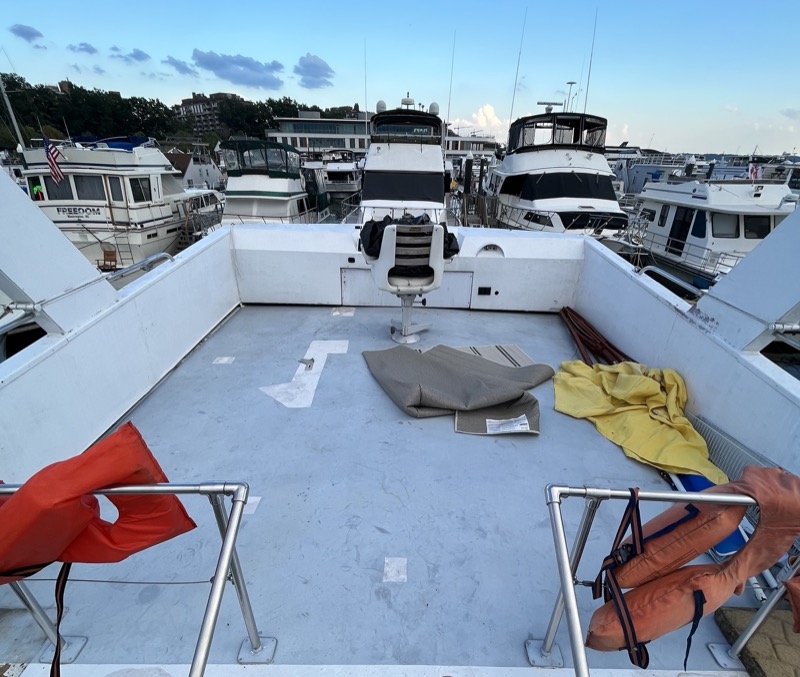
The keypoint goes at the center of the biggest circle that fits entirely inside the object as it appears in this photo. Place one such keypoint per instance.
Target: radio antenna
(591, 57)
(519, 56)
(449, 94)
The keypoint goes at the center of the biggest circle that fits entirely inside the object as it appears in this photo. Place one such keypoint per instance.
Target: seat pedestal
(404, 332)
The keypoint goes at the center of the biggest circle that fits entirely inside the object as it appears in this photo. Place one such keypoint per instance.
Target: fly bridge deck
(370, 538)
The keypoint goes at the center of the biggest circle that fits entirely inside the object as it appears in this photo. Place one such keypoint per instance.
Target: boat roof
(374, 542)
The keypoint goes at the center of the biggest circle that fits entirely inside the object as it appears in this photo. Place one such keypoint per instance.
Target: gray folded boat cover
(445, 380)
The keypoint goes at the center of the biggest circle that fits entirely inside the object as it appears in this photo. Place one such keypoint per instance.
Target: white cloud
(731, 108)
(483, 122)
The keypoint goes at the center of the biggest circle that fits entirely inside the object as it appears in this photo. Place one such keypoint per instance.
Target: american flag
(52, 154)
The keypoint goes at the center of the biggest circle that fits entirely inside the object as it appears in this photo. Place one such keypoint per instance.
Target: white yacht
(343, 179)
(404, 168)
(119, 203)
(554, 177)
(336, 532)
(700, 229)
(266, 183)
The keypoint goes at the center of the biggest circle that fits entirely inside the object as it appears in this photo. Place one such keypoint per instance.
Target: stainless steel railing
(227, 565)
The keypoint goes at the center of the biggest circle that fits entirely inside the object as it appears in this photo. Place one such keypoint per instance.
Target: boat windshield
(275, 159)
(403, 186)
(558, 129)
(559, 184)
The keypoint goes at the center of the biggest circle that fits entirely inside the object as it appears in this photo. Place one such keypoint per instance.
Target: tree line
(76, 111)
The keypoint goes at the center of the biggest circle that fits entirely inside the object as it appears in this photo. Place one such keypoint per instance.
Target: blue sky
(702, 76)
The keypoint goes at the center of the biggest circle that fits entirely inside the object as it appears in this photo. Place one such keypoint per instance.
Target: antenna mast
(11, 113)
(519, 57)
(449, 94)
(591, 57)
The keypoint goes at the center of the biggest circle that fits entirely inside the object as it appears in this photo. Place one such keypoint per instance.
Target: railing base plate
(69, 652)
(721, 655)
(266, 655)
(533, 647)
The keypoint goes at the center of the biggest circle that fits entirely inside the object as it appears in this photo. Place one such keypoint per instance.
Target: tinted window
(662, 217)
(116, 188)
(89, 188)
(61, 191)
(725, 225)
(403, 186)
(756, 227)
(559, 184)
(140, 189)
(699, 227)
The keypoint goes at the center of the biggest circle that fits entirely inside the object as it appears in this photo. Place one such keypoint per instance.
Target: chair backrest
(411, 259)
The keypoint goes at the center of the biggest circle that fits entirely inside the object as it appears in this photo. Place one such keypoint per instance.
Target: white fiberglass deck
(371, 538)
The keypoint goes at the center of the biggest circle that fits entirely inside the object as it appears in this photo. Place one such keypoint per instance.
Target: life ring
(302, 181)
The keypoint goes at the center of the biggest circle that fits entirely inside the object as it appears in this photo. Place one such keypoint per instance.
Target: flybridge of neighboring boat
(554, 177)
(404, 168)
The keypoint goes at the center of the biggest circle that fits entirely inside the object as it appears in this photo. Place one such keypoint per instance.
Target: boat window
(293, 162)
(778, 219)
(662, 217)
(89, 187)
(756, 227)
(116, 188)
(416, 186)
(649, 214)
(58, 191)
(231, 158)
(140, 189)
(559, 184)
(725, 225)
(699, 225)
(35, 189)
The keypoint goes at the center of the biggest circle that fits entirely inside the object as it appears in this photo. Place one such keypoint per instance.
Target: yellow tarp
(639, 409)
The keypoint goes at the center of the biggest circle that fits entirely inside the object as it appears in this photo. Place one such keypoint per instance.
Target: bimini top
(277, 160)
(406, 126)
(557, 130)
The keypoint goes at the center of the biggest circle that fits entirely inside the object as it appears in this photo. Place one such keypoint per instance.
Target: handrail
(567, 562)
(227, 564)
(144, 264)
(675, 280)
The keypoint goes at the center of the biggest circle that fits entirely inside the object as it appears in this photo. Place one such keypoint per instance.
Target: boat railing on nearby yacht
(700, 229)
(119, 202)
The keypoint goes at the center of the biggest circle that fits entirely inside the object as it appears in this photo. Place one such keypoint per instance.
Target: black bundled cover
(372, 234)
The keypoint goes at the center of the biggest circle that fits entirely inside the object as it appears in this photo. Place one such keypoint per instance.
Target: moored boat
(554, 177)
(372, 541)
(118, 203)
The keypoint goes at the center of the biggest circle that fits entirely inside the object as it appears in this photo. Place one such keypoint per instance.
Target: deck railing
(253, 649)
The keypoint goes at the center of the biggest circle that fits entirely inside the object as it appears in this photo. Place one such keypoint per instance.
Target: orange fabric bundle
(667, 598)
(54, 517)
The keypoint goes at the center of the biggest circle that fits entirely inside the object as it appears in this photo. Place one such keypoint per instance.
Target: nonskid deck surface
(370, 537)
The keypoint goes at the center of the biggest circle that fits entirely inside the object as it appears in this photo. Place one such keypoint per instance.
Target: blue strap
(699, 601)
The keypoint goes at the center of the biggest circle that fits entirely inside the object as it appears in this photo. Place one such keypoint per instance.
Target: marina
(498, 378)
(371, 541)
